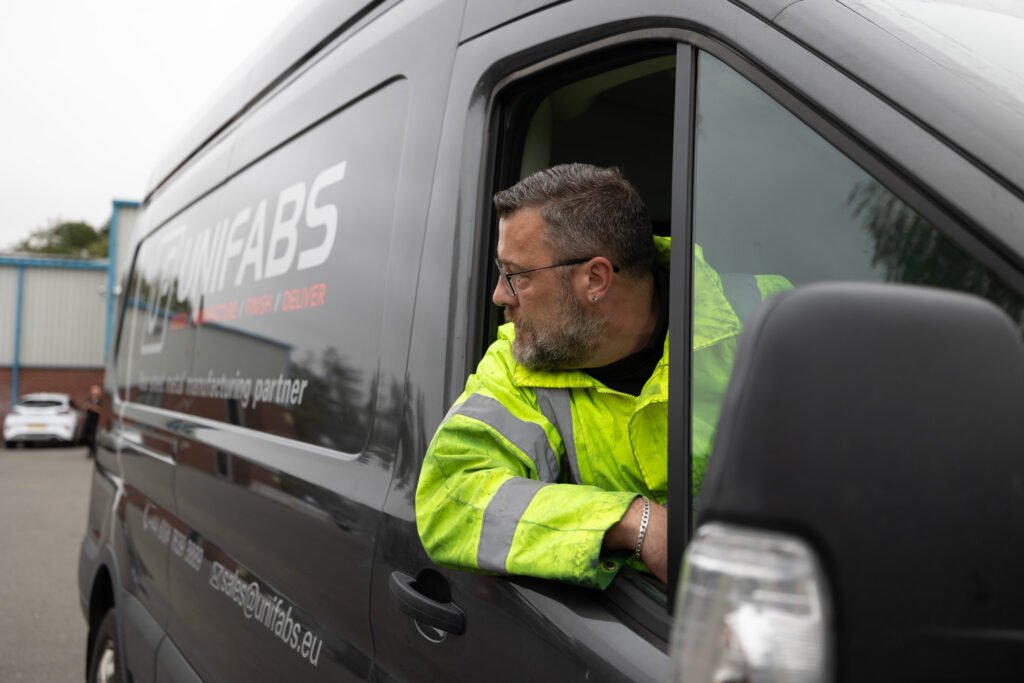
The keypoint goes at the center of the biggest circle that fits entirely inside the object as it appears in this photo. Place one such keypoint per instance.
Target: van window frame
(510, 96)
(629, 596)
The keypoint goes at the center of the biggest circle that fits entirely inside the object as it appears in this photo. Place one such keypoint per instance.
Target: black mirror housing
(883, 425)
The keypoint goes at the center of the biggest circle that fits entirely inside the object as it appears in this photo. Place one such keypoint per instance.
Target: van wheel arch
(101, 601)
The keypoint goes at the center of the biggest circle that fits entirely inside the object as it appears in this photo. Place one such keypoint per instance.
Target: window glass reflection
(252, 307)
(771, 196)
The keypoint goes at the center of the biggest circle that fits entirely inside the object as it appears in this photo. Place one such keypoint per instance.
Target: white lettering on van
(202, 270)
(190, 267)
(181, 255)
(285, 230)
(220, 239)
(325, 216)
(260, 605)
(233, 247)
(253, 254)
(158, 299)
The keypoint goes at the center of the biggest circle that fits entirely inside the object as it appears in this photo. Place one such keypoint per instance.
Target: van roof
(955, 64)
(958, 65)
(302, 34)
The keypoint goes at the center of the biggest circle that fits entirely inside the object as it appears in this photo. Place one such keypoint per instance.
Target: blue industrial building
(57, 316)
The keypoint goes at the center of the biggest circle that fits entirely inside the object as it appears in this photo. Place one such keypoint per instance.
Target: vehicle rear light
(753, 607)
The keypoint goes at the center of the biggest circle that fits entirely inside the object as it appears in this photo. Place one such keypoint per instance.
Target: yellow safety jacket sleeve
(495, 491)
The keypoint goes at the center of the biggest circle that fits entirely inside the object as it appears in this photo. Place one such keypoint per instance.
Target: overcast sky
(92, 92)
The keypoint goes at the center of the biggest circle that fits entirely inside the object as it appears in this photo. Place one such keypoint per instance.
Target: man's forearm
(654, 552)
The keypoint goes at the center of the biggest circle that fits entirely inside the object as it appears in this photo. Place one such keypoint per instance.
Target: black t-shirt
(92, 417)
(629, 374)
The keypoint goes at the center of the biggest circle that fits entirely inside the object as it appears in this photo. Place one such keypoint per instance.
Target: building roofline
(22, 260)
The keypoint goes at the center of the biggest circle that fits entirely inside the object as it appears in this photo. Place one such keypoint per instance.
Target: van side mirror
(881, 426)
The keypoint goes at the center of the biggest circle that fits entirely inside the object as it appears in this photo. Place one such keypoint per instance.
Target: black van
(310, 288)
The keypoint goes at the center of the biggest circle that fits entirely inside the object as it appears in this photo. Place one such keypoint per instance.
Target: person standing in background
(92, 418)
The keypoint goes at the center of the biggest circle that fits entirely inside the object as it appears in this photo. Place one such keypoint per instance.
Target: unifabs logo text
(185, 266)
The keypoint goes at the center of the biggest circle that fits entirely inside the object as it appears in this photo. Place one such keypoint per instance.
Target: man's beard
(566, 345)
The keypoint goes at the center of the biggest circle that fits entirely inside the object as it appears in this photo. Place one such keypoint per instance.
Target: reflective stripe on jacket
(530, 469)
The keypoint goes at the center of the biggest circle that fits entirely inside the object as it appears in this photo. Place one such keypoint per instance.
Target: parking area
(44, 493)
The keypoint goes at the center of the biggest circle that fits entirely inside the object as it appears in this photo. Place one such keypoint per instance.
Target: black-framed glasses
(507, 277)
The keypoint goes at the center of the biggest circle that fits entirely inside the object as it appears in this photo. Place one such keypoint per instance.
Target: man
(92, 418)
(552, 463)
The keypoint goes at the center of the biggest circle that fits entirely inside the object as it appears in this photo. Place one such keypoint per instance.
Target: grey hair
(589, 211)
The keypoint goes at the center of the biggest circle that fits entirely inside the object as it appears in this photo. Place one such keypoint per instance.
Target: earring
(593, 297)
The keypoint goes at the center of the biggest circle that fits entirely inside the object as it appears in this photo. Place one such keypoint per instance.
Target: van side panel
(284, 526)
(269, 323)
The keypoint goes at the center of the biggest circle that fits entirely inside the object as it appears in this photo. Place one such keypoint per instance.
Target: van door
(303, 267)
(565, 84)
(601, 83)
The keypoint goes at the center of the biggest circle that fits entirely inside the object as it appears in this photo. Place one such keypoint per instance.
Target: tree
(913, 251)
(67, 238)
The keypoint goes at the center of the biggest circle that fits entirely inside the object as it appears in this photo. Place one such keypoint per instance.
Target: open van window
(616, 111)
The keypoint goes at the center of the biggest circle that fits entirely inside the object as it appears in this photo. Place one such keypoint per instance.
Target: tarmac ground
(44, 496)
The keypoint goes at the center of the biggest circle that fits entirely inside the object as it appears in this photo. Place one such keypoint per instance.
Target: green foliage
(913, 251)
(67, 238)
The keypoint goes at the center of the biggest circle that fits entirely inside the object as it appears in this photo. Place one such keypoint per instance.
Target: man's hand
(622, 536)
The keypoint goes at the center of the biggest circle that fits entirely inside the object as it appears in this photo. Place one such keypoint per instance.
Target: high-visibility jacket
(529, 469)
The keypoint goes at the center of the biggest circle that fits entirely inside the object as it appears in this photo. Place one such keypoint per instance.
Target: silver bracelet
(643, 528)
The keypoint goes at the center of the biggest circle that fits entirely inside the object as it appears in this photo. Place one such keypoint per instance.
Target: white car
(42, 418)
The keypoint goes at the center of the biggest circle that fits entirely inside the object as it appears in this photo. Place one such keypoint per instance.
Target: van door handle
(446, 616)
